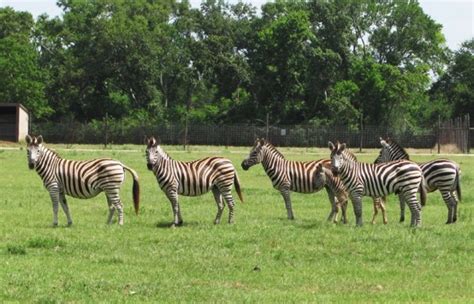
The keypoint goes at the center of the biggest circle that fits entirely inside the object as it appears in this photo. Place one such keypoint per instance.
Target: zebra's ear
(262, 141)
(384, 143)
(28, 139)
(151, 142)
(331, 146)
(342, 147)
(319, 168)
(380, 139)
(39, 140)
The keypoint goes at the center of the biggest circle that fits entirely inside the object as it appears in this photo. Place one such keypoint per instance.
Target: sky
(456, 16)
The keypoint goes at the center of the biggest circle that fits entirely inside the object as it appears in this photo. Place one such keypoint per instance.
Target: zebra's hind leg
(456, 200)
(415, 208)
(451, 203)
(285, 192)
(220, 204)
(111, 211)
(344, 211)
(65, 207)
(402, 210)
(227, 194)
(334, 207)
(113, 198)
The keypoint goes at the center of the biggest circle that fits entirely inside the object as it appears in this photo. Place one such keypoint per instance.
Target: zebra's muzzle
(149, 166)
(31, 166)
(334, 171)
(245, 166)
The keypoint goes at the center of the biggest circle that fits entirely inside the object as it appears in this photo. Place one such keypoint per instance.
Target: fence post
(106, 129)
(439, 133)
(468, 128)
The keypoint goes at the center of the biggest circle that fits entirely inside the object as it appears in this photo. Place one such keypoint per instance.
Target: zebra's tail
(136, 188)
(422, 191)
(237, 186)
(458, 183)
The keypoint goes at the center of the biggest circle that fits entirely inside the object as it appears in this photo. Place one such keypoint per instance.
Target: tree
(21, 79)
(453, 93)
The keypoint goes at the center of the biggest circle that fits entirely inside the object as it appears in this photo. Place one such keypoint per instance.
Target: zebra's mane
(393, 143)
(162, 153)
(46, 149)
(273, 149)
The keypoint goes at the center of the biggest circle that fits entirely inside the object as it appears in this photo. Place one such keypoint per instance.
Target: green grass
(261, 258)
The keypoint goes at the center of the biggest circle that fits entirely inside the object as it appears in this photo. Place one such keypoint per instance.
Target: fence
(453, 132)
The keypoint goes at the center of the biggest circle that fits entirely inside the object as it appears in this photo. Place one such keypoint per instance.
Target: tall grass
(263, 257)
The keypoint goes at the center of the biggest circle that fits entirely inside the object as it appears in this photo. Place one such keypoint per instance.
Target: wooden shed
(14, 122)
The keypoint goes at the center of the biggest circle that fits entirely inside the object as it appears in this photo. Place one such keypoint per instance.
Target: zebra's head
(319, 177)
(33, 150)
(152, 152)
(337, 158)
(255, 155)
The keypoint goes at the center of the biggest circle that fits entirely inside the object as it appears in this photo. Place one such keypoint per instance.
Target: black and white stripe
(325, 176)
(287, 175)
(439, 174)
(80, 179)
(192, 179)
(378, 180)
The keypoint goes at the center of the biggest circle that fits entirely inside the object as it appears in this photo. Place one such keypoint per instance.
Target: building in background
(14, 122)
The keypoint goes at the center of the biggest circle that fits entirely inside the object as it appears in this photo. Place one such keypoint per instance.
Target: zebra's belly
(90, 193)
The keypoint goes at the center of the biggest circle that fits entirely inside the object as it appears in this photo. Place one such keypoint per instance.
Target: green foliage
(326, 62)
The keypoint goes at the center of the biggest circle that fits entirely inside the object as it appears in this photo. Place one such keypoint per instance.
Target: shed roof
(14, 105)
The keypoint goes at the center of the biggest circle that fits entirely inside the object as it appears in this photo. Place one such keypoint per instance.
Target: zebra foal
(79, 179)
(287, 175)
(193, 178)
(439, 174)
(377, 180)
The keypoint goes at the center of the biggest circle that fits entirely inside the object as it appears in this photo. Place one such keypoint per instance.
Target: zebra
(439, 174)
(193, 179)
(287, 175)
(402, 177)
(324, 176)
(79, 179)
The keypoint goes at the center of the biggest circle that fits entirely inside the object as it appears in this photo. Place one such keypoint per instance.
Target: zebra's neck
(396, 152)
(163, 162)
(349, 166)
(46, 162)
(271, 159)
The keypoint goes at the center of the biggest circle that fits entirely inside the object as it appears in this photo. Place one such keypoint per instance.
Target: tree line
(315, 62)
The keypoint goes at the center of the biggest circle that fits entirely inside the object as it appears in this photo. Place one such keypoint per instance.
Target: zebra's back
(392, 177)
(301, 175)
(198, 177)
(440, 174)
(85, 179)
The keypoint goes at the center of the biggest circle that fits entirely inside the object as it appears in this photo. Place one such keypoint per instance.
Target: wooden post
(268, 122)
(106, 129)
(439, 134)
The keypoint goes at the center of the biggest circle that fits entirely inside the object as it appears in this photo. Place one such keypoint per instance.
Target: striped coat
(439, 174)
(287, 175)
(79, 179)
(377, 180)
(193, 178)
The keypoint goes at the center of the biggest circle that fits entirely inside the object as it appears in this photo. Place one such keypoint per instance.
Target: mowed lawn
(263, 257)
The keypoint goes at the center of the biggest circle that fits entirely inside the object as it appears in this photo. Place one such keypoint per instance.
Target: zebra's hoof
(69, 224)
(55, 225)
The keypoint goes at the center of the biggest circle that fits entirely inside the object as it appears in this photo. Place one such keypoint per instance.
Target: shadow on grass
(168, 225)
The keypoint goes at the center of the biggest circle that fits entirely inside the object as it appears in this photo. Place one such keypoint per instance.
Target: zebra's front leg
(55, 198)
(334, 208)
(285, 192)
(344, 211)
(65, 207)
(220, 204)
(173, 197)
(356, 199)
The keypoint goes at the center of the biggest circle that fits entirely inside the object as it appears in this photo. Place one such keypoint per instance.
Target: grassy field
(261, 258)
